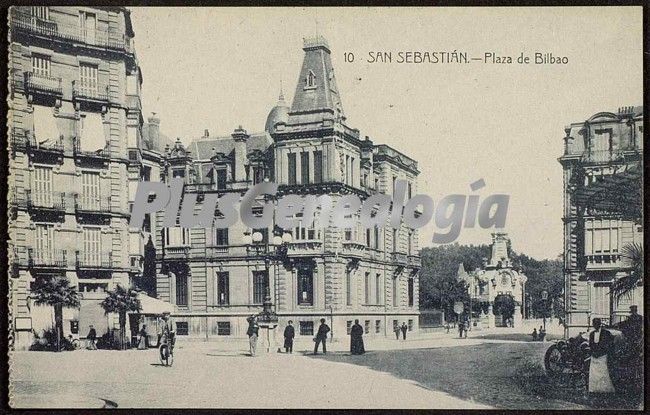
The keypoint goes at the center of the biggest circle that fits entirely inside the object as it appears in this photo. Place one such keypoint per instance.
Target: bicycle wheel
(170, 359)
(164, 355)
(553, 362)
(76, 344)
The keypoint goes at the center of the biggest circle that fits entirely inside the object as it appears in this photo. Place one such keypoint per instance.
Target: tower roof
(317, 95)
(279, 113)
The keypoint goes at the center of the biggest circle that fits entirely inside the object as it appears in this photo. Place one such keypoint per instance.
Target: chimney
(154, 128)
(206, 133)
(240, 136)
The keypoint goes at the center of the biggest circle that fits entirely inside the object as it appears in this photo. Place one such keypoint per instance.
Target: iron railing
(53, 258)
(25, 22)
(95, 260)
(45, 200)
(43, 83)
(95, 204)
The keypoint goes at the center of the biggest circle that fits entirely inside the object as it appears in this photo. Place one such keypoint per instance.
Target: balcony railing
(177, 252)
(414, 261)
(51, 258)
(304, 247)
(95, 260)
(102, 153)
(399, 258)
(92, 204)
(355, 249)
(45, 200)
(25, 22)
(602, 156)
(94, 94)
(39, 83)
(603, 261)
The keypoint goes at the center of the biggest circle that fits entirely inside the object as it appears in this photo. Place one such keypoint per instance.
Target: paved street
(490, 369)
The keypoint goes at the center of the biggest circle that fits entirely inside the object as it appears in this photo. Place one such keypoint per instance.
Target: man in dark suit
(289, 334)
(321, 336)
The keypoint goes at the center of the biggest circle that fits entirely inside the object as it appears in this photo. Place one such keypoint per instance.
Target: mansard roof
(204, 148)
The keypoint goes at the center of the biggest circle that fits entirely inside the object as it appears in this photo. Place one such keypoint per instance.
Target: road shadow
(247, 354)
(502, 375)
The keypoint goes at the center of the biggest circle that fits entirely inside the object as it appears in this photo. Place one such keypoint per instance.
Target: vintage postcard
(370, 208)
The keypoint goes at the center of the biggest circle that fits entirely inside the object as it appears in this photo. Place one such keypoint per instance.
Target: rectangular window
(377, 326)
(44, 242)
(292, 167)
(304, 167)
(42, 190)
(348, 287)
(305, 286)
(366, 326)
(88, 84)
(46, 131)
(221, 237)
(378, 289)
(41, 65)
(306, 328)
(409, 242)
(92, 246)
(395, 291)
(182, 328)
(258, 175)
(600, 298)
(376, 231)
(90, 199)
(395, 236)
(347, 169)
(259, 286)
(176, 236)
(348, 326)
(352, 168)
(410, 325)
(91, 126)
(88, 26)
(410, 290)
(223, 328)
(348, 234)
(181, 289)
(410, 190)
(318, 166)
(221, 179)
(223, 288)
(368, 237)
(41, 12)
(367, 287)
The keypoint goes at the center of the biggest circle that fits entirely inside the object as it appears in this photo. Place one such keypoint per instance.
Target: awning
(618, 193)
(154, 306)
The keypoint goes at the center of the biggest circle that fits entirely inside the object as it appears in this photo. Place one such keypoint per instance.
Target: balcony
(49, 201)
(52, 258)
(399, 258)
(92, 204)
(176, 252)
(43, 84)
(95, 261)
(92, 97)
(414, 261)
(217, 251)
(602, 156)
(304, 248)
(26, 23)
(353, 249)
(600, 261)
(102, 154)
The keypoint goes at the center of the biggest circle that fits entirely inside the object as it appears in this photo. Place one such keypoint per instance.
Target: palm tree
(56, 292)
(121, 301)
(633, 254)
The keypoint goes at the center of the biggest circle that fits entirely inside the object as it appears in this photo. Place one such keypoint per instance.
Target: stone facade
(74, 115)
(216, 280)
(596, 150)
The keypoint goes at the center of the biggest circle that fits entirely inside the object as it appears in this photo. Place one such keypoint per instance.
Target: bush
(47, 342)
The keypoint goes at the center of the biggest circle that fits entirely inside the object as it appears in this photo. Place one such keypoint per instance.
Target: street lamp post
(544, 299)
(267, 319)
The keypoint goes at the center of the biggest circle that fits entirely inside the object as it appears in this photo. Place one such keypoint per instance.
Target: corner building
(215, 280)
(74, 111)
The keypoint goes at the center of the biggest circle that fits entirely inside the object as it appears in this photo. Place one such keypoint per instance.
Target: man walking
(396, 330)
(92, 337)
(356, 339)
(404, 329)
(289, 334)
(321, 336)
(252, 332)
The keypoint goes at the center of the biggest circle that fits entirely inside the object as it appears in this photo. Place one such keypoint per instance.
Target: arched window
(311, 80)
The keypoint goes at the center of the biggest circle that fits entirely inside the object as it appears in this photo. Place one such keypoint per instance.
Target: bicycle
(166, 349)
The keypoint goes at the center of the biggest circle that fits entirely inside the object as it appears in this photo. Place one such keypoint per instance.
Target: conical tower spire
(317, 95)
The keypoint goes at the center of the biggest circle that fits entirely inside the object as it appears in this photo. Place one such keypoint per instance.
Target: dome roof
(279, 113)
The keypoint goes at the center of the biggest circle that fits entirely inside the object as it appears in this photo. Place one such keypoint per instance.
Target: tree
(121, 301)
(56, 292)
(632, 254)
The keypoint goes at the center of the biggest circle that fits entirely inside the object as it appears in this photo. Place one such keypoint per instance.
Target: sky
(218, 68)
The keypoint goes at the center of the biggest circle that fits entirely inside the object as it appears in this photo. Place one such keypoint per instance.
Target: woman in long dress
(600, 342)
(356, 339)
(142, 342)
